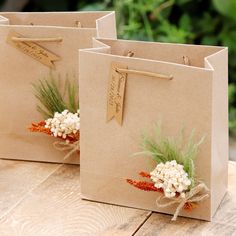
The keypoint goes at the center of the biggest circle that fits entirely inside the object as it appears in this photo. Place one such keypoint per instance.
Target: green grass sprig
(52, 98)
(163, 149)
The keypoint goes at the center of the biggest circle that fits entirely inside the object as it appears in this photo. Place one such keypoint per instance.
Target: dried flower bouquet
(60, 110)
(174, 175)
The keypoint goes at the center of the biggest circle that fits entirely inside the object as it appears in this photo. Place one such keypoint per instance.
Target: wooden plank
(17, 178)
(55, 208)
(160, 224)
(223, 223)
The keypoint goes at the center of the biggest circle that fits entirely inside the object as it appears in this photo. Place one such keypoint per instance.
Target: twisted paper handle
(144, 73)
(196, 194)
(63, 146)
(37, 40)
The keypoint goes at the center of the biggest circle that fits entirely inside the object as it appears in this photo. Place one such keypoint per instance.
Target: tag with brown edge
(33, 50)
(116, 93)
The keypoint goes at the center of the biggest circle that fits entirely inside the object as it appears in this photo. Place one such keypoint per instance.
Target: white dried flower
(63, 124)
(172, 178)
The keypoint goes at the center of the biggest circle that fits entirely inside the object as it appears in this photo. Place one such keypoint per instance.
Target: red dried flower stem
(189, 206)
(148, 186)
(40, 127)
(143, 185)
(144, 174)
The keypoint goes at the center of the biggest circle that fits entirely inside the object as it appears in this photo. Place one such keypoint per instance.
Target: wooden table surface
(43, 199)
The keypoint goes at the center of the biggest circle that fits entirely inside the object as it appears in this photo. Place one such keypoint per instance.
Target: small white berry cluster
(172, 178)
(63, 124)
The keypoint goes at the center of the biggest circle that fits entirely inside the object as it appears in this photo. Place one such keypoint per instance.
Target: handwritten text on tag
(116, 93)
(33, 50)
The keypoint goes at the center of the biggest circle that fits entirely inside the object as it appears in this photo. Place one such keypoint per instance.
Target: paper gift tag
(116, 93)
(33, 50)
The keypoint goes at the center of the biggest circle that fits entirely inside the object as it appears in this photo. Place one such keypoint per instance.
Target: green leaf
(182, 2)
(228, 38)
(97, 6)
(209, 40)
(51, 99)
(226, 7)
(163, 149)
(185, 22)
(232, 93)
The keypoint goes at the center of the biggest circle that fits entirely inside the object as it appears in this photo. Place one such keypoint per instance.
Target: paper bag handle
(38, 40)
(144, 73)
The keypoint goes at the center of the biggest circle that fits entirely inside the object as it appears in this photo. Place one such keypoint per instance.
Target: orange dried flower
(148, 186)
(73, 137)
(144, 174)
(189, 206)
(40, 127)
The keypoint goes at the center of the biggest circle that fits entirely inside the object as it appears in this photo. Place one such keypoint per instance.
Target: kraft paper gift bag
(130, 89)
(35, 47)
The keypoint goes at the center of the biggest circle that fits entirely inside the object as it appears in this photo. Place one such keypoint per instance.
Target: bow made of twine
(196, 194)
(71, 147)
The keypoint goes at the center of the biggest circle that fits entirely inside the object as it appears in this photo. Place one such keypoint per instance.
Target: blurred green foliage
(210, 22)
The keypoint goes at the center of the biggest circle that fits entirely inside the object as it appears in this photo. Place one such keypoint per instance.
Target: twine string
(129, 54)
(196, 194)
(186, 60)
(78, 24)
(63, 146)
